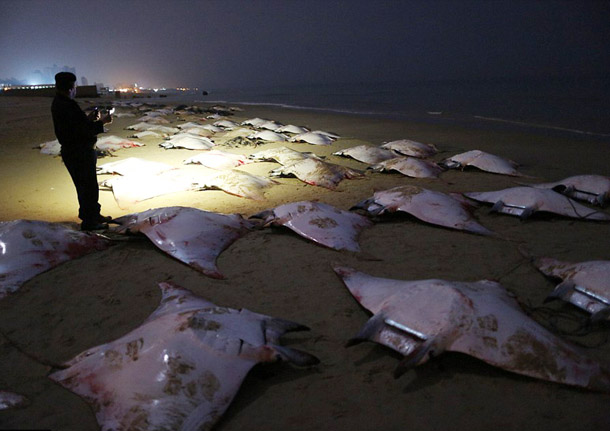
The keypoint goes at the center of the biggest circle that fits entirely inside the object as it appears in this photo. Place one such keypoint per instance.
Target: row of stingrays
(136, 179)
(214, 347)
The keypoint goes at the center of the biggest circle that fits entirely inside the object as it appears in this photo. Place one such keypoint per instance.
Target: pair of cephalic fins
(584, 284)
(524, 201)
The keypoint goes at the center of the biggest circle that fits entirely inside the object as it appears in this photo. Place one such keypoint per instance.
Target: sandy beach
(104, 295)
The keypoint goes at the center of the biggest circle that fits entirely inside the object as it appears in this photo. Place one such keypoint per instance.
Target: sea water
(578, 107)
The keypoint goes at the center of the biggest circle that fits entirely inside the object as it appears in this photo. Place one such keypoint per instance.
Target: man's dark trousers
(81, 166)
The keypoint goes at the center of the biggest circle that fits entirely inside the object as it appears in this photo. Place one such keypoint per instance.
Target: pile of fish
(191, 356)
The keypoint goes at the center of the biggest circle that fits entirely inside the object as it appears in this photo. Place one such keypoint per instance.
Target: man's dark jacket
(74, 131)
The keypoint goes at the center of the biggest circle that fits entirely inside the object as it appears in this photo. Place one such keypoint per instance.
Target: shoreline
(102, 296)
(438, 118)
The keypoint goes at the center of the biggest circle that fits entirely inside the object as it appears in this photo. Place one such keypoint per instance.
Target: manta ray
(269, 125)
(216, 159)
(241, 132)
(148, 134)
(524, 201)
(30, 247)
(331, 135)
(192, 236)
(188, 125)
(11, 400)
(131, 189)
(181, 368)
(153, 119)
(409, 166)
(163, 129)
(212, 128)
(425, 318)
(198, 131)
(268, 135)
(313, 138)
(366, 154)
(153, 114)
(483, 161)
(282, 155)
(291, 128)
(142, 126)
(427, 205)
(134, 166)
(226, 124)
(317, 172)
(188, 142)
(235, 182)
(50, 148)
(254, 122)
(407, 147)
(594, 189)
(105, 143)
(585, 284)
(319, 222)
(114, 143)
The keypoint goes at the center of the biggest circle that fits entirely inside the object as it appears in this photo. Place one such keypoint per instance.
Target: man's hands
(107, 119)
(94, 115)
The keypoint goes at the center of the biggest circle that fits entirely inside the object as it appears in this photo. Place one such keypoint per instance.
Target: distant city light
(139, 89)
(103, 90)
(25, 87)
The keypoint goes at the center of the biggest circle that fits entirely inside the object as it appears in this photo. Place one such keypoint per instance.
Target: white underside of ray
(427, 317)
(180, 369)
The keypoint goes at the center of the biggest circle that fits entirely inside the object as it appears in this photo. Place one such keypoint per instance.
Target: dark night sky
(234, 43)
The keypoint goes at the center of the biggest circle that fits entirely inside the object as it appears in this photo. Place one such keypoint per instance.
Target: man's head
(64, 82)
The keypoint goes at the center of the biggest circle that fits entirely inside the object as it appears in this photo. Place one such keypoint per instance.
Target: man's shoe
(93, 226)
(104, 219)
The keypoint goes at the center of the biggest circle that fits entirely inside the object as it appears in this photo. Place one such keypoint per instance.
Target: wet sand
(102, 296)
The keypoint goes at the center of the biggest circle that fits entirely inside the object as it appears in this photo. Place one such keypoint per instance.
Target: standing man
(76, 132)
